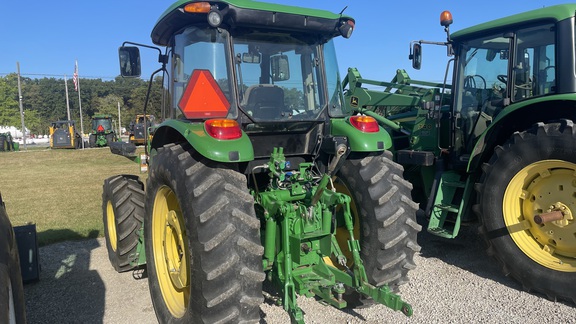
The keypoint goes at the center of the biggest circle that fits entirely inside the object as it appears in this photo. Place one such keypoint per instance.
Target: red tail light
(223, 129)
(365, 124)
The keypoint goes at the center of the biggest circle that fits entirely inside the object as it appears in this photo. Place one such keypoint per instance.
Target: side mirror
(129, 61)
(416, 56)
(280, 68)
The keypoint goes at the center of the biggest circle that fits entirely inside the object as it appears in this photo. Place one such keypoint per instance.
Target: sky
(46, 38)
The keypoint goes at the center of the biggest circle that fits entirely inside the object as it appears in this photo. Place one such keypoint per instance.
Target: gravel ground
(454, 282)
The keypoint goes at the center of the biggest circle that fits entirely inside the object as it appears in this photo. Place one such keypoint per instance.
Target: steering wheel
(470, 81)
(504, 79)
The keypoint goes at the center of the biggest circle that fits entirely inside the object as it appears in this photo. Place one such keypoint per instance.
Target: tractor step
(446, 213)
(448, 208)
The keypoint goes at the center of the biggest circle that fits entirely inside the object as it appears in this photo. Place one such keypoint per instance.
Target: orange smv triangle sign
(203, 97)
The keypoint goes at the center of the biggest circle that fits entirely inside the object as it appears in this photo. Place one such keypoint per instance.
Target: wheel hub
(564, 210)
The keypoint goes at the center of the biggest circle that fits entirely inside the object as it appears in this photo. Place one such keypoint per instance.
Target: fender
(360, 141)
(173, 130)
(519, 117)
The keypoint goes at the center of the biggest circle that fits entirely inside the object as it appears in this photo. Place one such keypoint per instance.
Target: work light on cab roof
(346, 28)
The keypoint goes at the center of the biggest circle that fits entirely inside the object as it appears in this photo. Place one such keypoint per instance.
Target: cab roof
(248, 13)
(552, 13)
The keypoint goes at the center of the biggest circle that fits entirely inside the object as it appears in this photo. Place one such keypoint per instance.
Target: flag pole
(79, 102)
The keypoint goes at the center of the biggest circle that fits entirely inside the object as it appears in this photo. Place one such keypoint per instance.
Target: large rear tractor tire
(533, 173)
(202, 237)
(123, 215)
(384, 219)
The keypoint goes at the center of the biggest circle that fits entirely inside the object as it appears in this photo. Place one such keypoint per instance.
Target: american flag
(75, 77)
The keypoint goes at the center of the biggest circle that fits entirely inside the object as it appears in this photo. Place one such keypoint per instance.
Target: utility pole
(119, 123)
(21, 108)
(79, 102)
(67, 101)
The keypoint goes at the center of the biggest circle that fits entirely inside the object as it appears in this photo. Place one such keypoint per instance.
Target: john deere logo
(354, 101)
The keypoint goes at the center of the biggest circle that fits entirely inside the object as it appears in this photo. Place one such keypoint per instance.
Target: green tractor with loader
(497, 147)
(102, 131)
(258, 171)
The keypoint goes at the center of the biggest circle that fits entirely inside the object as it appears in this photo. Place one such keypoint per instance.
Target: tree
(44, 100)
(9, 108)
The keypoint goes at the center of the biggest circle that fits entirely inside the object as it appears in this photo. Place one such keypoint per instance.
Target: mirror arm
(161, 58)
(431, 43)
(163, 68)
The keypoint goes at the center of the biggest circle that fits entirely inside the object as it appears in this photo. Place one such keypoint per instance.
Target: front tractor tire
(123, 215)
(202, 238)
(533, 173)
(384, 219)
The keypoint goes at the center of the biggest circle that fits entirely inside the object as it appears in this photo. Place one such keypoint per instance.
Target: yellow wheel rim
(540, 188)
(111, 226)
(342, 235)
(170, 250)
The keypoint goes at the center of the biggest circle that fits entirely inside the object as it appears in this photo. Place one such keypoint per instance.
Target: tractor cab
(503, 66)
(501, 70)
(101, 124)
(261, 72)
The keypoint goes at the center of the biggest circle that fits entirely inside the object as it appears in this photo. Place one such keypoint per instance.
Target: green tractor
(258, 172)
(497, 147)
(102, 132)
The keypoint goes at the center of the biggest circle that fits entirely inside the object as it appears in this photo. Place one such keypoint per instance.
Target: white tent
(15, 132)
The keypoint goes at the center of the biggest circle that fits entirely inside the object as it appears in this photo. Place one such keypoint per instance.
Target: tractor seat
(265, 101)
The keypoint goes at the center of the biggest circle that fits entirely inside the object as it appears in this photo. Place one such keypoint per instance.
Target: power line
(61, 76)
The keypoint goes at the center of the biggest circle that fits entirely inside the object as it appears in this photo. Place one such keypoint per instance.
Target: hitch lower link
(353, 277)
(383, 294)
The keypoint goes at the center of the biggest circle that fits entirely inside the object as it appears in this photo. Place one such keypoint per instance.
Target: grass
(59, 190)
